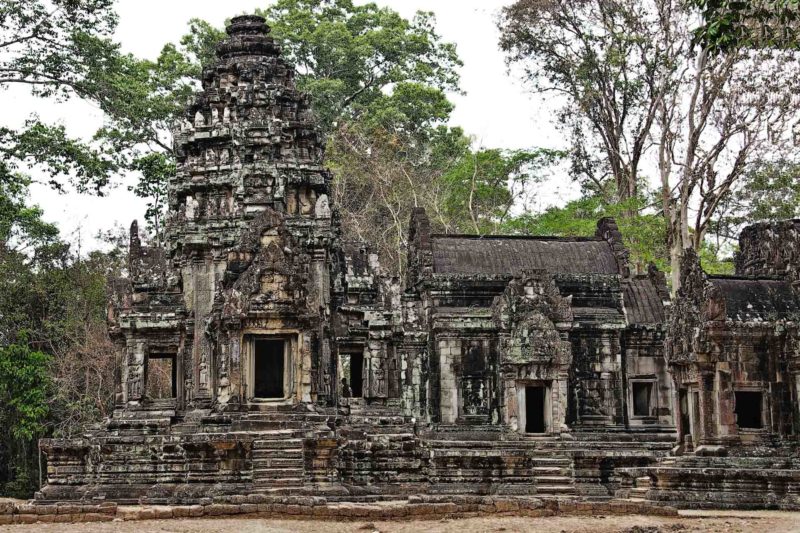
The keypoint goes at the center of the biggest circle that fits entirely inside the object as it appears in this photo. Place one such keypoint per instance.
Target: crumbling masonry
(263, 352)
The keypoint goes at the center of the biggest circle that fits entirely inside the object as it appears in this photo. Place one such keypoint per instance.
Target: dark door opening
(683, 401)
(269, 369)
(356, 374)
(748, 409)
(161, 380)
(642, 392)
(534, 409)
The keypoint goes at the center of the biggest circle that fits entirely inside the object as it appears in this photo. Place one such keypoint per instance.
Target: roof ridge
(733, 277)
(520, 237)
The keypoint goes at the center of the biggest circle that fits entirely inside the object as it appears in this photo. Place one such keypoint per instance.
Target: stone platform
(760, 478)
(371, 453)
(307, 507)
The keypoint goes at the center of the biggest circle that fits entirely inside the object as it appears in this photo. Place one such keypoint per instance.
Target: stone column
(449, 349)
(707, 407)
(134, 372)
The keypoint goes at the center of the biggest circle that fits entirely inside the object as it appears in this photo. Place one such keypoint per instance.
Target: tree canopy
(640, 90)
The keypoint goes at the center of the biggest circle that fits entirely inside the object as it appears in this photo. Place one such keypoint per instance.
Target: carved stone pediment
(529, 311)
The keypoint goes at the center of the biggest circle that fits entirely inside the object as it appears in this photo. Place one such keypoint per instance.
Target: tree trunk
(679, 240)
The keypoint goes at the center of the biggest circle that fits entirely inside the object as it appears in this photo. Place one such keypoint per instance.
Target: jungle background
(679, 120)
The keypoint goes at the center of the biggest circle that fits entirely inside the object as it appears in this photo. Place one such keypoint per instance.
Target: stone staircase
(278, 434)
(640, 487)
(383, 447)
(278, 463)
(500, 467)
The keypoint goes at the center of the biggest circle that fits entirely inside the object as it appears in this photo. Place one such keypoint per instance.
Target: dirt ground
(727, 522)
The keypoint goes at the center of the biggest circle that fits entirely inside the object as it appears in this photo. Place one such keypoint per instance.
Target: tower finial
(247, 25)
(247, 36)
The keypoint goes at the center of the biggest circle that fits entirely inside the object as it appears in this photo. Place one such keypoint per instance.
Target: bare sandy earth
(760, 521)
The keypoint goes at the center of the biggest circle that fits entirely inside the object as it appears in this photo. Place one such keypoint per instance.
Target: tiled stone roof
(511, 255)
(757, 299)
(643, 304)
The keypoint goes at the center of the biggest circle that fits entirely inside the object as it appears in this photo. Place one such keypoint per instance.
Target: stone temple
(262, 351)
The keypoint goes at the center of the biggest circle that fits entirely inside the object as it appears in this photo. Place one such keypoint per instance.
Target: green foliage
(52, 45)
(24, 384)
(768, 191)
(713, 260)
(24, 391)
(354, 60)
(199, 45)
(56, 360)
(21, 225)
(62, 49)
(644, 232)
(350, 56)
(58, 49)
(155, 168)
(412, 109)
(484, 186)
(50, 148)
(733, 24)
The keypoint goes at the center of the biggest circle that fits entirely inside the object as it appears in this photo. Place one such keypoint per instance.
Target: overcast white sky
(496, 109)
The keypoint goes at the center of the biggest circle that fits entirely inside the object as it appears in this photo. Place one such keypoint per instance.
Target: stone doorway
(161, 381)
(642, 396)
(536, 413)
(356, 374)
(269, 368)
(683, 410)
(748, 409)
(352, 373)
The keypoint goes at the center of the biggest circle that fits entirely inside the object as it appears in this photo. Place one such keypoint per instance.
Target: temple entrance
(269, 368)
(535, 414)
(748, 409)
(642, 396)
(356, 374)
(351, 369)
(161, 381)
(683, 408)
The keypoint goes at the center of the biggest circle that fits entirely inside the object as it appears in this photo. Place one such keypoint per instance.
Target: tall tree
(56, 360)
(351, 56)
(720, 115)
(601, 60)
(767, 191)
(57, 49)
(699, 117)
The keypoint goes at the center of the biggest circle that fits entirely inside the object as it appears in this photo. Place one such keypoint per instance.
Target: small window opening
(269, 368)
(534, 409)
(161, 377)
(748, 409)
(642, 394)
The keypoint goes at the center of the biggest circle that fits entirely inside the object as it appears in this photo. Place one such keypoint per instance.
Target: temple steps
(278, 462)
(640, 487)
(506, 467)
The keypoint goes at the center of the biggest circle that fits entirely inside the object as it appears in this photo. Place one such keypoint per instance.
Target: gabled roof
(757, 299)
(493, 255)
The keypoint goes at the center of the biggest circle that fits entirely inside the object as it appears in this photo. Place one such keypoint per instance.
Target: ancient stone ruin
(262, 351)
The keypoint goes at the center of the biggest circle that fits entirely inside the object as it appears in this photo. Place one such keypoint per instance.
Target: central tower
(250, 227)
